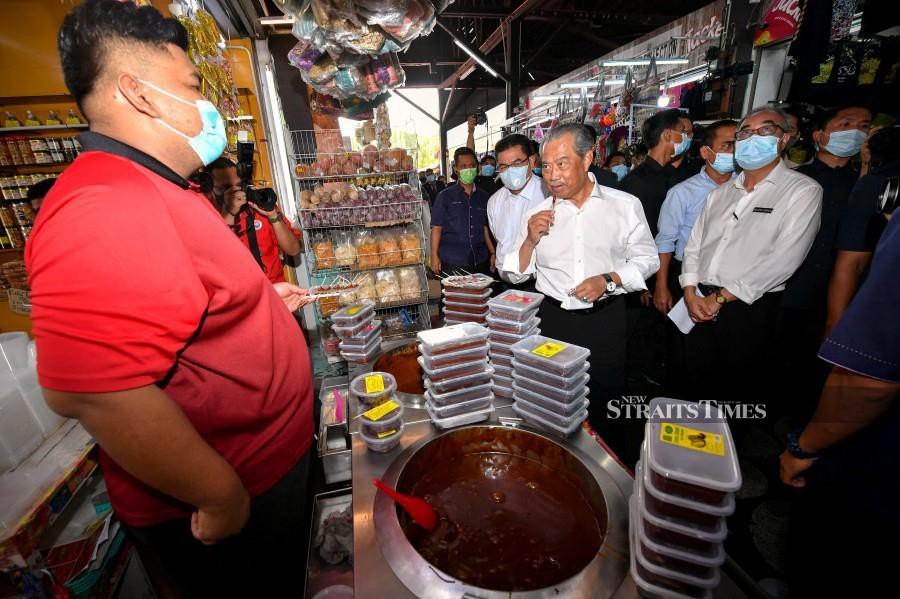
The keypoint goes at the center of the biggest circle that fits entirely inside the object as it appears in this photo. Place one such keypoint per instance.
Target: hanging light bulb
(663, 101)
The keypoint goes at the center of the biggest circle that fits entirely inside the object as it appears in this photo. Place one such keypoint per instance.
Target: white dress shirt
(608, 234)
(505, 211)
(751, 243)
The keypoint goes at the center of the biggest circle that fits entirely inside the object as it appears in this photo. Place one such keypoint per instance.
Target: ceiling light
(273, 21)
(642, 62)
(591, 84)
(476, 58)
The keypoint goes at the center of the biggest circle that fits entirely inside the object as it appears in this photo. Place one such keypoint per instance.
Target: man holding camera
(264, 233)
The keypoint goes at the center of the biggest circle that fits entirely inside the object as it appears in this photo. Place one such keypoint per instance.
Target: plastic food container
(463, 382)
(503, 371)
(550, 355)
(512, 338)
(352, 331)
(569, 382)
(454, 338)
(691, 455)
(386, 417)
(364, 337)
(455, 371)
(501, 360)
(675, 580)
(468, 298)
(512, 326)
(560, 420)
(536, 419)
(453, 358)
(458, 396)
(501, 392)
(502, 380)
(457, 317)
(374, 388)
(564, 409)
(501, 349)
(368, 353)
(692, 513)
(556, 394)
(515, 305)
(469, 284)
(476, 309)
(460, 420)
(382, 442)
(663, 530)
(475, 405)
(354, 314)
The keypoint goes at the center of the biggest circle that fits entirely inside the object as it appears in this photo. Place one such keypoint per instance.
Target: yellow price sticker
(692, 439)
(379, 412)
(548, 350)
(353, 310)
(9, 124)
(53, 122)
(387, 433)
(32, 123)
(374, 383)
(73, 121)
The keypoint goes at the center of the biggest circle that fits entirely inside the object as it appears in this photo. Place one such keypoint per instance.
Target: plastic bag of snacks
(367, 249)
(410, 245)
(323, 248)
(387, 285)
(344, 251)
(366, 287)
(410, 285)
(389, 247)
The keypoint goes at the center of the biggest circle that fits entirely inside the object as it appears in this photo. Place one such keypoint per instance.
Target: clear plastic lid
(502, 371)
(382, 418)
(459, 395)
(558, 394)
(353, 331)
(463, 382)
(674, 576)
(564, 409)
(672, 551)
(512, 326)
(702, 509)
(460, 420)
(536, 419)
(503, 392)
(354, 313)
(374, 388)
(501, 360)
(558, 357)
(454, 371)
(515, 305)
(569, 382)
(468, 298)
(513, 338)
(458, 311)
(474, 284)
(503, 381)
(382, 442)
(560, 420)
(455, 357)
(458, 409)
(369, 353)
(452, 338)
(691, 443)
(353, 348)
(501, 349)
(363, 337)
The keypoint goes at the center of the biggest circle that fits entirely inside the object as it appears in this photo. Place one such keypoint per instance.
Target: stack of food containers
(457, 374)
(381, 425)
(550, 383)
(360, 333)
(512, 317)
(684, 489)
(466, 297)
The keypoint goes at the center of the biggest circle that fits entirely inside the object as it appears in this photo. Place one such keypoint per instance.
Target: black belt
(708, 289)
(598, 306)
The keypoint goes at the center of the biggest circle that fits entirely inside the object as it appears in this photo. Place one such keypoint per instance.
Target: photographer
(271, 231)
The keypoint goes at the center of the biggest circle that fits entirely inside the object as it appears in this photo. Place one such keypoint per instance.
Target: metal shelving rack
(388, 203)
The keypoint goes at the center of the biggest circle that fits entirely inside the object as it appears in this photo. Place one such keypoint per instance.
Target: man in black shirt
(487, 173)
(684, 166)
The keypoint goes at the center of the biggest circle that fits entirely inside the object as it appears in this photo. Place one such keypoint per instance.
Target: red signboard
(779, 23)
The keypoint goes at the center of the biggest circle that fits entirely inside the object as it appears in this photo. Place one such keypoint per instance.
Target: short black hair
(640, 148)
(710, 130)
(203, 180)
(827, 115)
(535, 148)
(511, 141)
(591, 131)
(429, 171)
(41, 189)
(92, 29)
(464, 151)
(654, 127)
(488, 157)
(220, 163)
(613, 155)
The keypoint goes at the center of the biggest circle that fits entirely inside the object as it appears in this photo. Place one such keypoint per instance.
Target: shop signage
(779, 23)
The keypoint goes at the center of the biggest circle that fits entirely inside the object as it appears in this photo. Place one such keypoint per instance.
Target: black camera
(264, 197)
(480, 116)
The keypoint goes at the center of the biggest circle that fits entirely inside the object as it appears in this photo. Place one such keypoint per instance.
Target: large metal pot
(601, 577)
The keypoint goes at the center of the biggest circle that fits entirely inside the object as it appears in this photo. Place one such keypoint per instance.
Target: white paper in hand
(681, 317)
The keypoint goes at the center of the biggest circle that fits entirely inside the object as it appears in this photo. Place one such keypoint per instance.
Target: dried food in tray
(386, 417)
(523, 370)
(691, 513)
(363, 338)
(468, 298)
(354, 314)
(382, 442)
(564, 409)
(473, 309)
(501, 360)
(557, 394)
(560, 420)
(512, 326)
(475, 405)
(462, 419)
(503, 392)
(454, 358)
(512, 338)
(515, 305)
(435, 342)
(546, 354)
(458, 317)
(362, 355)
(458, 396)
(463, 382)
(455, 371)
(502, 371)
(536, 419)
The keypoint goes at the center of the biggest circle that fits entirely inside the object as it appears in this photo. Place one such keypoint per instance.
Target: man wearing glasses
(750, 237)
(521, 192)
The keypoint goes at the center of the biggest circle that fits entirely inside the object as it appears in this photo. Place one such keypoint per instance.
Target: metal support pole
(513, 56)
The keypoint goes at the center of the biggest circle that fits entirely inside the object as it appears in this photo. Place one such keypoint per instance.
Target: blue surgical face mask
(682, 146)
(756, 151)
(620, 170)
(429, 179)
(487, 170)
(537, 171)
(724, 163)
(212, 139)
(845, 144)
(515, 177)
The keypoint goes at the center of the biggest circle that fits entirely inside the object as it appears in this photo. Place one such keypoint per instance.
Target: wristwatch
(274, 220)
(720, 299)
(610, 284)
(793, 447)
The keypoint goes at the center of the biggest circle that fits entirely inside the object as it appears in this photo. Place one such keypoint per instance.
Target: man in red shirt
(271, 230)
(193, 378)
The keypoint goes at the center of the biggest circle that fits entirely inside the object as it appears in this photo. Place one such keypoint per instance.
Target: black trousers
(676, 382)
(799, 339)
(266, 559)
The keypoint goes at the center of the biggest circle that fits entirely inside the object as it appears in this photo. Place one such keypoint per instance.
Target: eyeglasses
(518, 163)
(765, 130)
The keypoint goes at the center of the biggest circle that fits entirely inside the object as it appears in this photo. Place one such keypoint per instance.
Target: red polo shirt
(268, 243)
(136, 281)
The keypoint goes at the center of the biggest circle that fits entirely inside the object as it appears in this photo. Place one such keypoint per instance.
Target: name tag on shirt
(763, 210)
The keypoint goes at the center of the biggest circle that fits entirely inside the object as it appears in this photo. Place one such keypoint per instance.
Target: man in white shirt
(587, 246)
(521, 192)
(750, 237)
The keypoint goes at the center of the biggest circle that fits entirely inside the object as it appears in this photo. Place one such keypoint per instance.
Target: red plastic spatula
(421, 513)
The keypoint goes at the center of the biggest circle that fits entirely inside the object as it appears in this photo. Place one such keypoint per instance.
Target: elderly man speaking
(587, 246)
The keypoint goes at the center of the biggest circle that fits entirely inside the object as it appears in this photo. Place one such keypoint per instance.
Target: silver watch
(610, 284)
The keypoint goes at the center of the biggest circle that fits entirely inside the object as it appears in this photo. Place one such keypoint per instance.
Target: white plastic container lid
(363, 337)
(672, 450)
(462, 419)
(468, 297)
(373, 386)
(512, 338)
(463, 382)
(563, 395)
(637, 524)
(512, 326)
(354, 313)
(534, 418)
(445, 339)
(724, 510)
(459, 409)
(474, 283)
(560, 420)
(559, 357)
(382, 442)
(515, 304)
(466, 355)
(459, 395)
(455, 370)
(564, 409)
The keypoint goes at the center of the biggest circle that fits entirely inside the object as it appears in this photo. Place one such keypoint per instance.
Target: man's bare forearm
(525, 253)
(148, 435)
(287, 241)
(662, 275)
